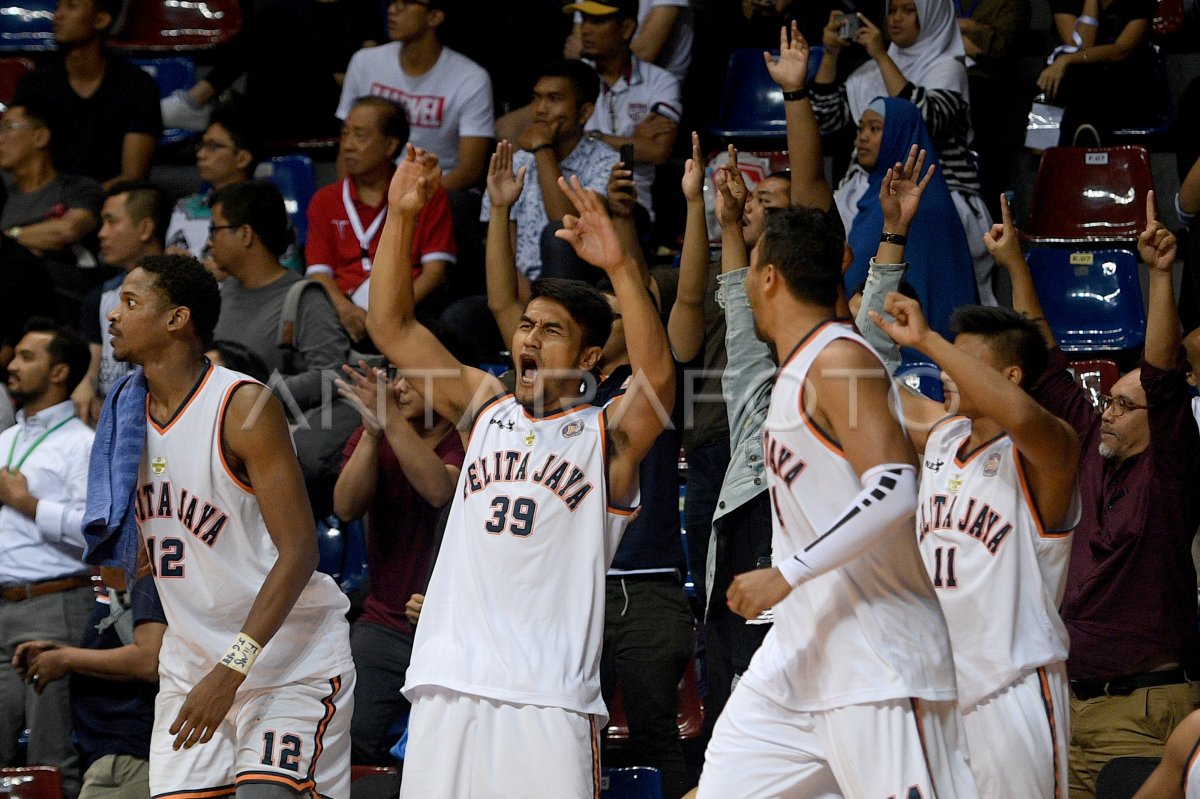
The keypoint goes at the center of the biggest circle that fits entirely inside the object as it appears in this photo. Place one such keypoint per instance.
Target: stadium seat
(1164, 110)
(374, 782)
(170, 74)
(293, 176)
(924, 377)
(1092, 299)
(1121, 777)
(178, 26)
(634, 782)
(31, 782)
(11, 71)
(1096, 377)
(1089, 195)
(752, 103)
(342, 549)
(690, 714)
(755, 165)
(27, 25)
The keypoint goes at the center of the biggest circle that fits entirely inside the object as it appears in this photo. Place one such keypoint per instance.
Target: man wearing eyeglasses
(1130, 603)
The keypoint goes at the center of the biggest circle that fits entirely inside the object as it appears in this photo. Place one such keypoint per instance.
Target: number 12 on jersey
(944, 575)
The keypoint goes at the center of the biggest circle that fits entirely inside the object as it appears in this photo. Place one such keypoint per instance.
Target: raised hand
(693, 174)
(1156, 245)
(503, 186)
(591, 233)
(1003, 241)
(831, 36)
(731, 191)
(791, 70)
(417, 178)
(870, 37)
(909, 328)
(901, 190)
(366, 389)
(621, 191)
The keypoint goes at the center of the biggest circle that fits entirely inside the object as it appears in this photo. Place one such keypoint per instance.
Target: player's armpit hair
(889, 494)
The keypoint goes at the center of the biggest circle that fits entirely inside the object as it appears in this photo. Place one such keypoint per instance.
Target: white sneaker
(178, 112)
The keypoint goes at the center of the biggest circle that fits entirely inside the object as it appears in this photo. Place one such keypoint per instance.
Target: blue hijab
(940, 267)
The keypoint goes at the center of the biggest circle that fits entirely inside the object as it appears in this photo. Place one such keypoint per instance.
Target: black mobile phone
(627, 155)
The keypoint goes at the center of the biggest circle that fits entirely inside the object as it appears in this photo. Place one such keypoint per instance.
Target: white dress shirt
(49, 546)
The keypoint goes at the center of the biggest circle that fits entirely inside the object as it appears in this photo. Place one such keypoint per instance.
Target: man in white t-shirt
(448, 97)
(664, 35)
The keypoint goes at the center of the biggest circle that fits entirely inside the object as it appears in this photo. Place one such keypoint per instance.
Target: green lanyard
(12, 450)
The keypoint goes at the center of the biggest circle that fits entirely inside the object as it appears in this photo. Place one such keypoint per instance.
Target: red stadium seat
(1096, 377)
(690, 714)
(755, 165)
(1089, 195)
(31, 782)
(374, 782)
(155, 26)
(11, 70)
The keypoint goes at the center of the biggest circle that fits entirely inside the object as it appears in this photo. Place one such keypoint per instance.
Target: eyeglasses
(212, 229)
(1119, 405)
(9, 127)
(210, 146)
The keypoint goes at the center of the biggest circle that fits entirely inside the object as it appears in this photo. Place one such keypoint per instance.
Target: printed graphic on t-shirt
(424, 110)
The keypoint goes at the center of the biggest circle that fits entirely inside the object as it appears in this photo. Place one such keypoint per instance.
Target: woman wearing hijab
(922, 64)
(940, 267)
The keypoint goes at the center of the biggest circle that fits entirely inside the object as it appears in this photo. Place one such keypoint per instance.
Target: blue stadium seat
(924, 377)
(634, 782)
(342, 548)
(1092, 299)
(170, 74)
(293, 176)
(752, 103)
(1160, 124)
(27, 25)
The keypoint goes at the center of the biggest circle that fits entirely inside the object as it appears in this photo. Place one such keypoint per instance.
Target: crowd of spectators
(602, 98)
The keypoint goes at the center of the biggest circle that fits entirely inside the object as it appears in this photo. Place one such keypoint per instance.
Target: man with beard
(45, 587)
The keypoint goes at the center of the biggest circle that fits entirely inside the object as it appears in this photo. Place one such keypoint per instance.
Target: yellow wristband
(242, 653)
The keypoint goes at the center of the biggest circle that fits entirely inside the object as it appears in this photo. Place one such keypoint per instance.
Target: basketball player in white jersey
(852, 692)
(256, 680)
(1178, 775)
(998, 500)
(504, 678)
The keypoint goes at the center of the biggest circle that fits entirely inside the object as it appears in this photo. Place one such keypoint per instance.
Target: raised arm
(790, 71)
(1046, 443)
(503, 292)
(456, 390)
(1004, 244)
(654, 32)
(1157, 246)
(637, 418)
(685, 327)
(732, 195)
(621, 194)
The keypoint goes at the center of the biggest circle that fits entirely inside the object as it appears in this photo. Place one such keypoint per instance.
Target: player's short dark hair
(583, 78)
(780, 174)
(807, 250)
(240, 358)
(183, 281)
(259, 205)
(234, 120)
(145, 201)
(38, 112)
(586, 305)
(394, 119)
(66, 346)
(1014, 338)
(116, 10)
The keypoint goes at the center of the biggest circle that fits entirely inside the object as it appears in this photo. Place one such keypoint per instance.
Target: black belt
(672, 576)
(1124, 686)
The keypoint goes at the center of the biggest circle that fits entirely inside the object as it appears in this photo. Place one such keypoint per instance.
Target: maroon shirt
(400, 534)
(1131, 588)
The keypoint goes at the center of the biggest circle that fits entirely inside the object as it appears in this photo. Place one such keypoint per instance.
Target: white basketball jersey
(210, 553)
(1000, 575)
(515, 606)
(868, 631)
(1191, 774)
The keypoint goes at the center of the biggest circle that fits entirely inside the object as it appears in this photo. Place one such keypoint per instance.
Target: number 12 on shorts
(288, 753)
(944, 575)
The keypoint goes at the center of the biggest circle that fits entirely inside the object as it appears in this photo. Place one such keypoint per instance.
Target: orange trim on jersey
(197, 793)
(1023, 481)
(195, 392)
(335, 685)
(807, 339)
(484, 408)
(829, 441)
(221, 436)
(594, 725)
(1048, 702)
(300, 786)
(558, 414)
(945, 420)
(961, 461)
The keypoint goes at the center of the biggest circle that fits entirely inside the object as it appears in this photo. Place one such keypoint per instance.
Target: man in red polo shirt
(346, 218)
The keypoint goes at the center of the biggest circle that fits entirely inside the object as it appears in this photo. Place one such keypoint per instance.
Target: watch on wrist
(894, 238)
(14, 232)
